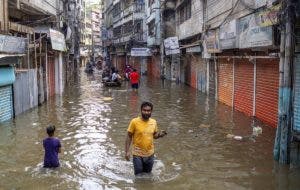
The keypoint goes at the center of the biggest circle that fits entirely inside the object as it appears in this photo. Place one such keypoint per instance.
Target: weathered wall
(219, 11)
(193, 25)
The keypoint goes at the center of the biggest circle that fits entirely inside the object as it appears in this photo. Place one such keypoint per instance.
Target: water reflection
(91, 121)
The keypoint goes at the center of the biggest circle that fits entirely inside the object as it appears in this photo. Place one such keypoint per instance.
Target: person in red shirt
(134, 79)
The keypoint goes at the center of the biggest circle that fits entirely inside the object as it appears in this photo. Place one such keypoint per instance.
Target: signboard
(269, 17)
(140, 52)
(194, 49)
(228, 33)
(212, 41)
(251, 34)
(12, 44)
(57, 40)
(171, 45)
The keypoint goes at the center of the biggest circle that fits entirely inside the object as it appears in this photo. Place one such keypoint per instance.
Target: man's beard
(146, 116)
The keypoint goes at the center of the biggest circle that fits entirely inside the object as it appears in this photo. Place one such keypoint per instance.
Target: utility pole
(284, 130)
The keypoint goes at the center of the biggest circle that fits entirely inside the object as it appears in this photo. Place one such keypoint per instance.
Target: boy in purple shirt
(52, 148)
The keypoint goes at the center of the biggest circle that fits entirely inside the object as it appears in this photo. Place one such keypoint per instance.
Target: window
(117, 31)
(127, 28)
(151, 28)
(185, 11)
(116, 9)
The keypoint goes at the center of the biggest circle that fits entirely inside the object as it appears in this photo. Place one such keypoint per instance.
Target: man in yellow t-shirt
(142, 130)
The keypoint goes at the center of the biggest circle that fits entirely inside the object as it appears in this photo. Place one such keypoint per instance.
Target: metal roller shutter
(212, 79)
(6, 103)
(267, 81)
(225, 81)
(243, 86)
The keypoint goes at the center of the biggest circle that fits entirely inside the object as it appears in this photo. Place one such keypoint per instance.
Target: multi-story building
(154, 36)
(84, 51)
(96, 18)
(37, 54)
(88, 32)
(107, 31)
(129, 31)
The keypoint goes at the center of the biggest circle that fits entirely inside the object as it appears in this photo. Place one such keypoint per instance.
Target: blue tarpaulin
(7, 76)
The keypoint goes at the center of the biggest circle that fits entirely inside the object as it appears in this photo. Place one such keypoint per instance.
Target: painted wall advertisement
(171, 45)
(228, 35)
(253, 34)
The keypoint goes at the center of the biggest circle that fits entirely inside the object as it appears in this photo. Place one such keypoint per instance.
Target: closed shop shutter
(6, 103)
(296, 125)
(121, 63)
(153, 66)
(212, 79)
(267, 78)
(225, 81)
(201, 76)
(187, 70)
(51, 76)
(193, 71)
(150, 66)
(243, 86)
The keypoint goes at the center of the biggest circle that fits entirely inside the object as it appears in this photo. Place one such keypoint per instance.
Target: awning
(7, 76)
(10, 59)
(11, 55)
(57, 38)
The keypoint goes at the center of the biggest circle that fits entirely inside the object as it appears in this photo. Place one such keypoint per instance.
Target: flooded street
(91, 122)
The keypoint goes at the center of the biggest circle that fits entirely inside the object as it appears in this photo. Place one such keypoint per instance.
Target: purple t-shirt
(51, 146)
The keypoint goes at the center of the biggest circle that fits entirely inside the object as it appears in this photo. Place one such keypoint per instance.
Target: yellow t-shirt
(142, 136)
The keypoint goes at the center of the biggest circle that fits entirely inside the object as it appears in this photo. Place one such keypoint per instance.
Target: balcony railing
(49, 6)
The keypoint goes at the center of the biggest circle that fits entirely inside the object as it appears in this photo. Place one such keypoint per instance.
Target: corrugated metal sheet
(201, 75)
(6, 103)
(212, 79)
(243, 86)
(51, 76)
(296, 125)
(267, 77)
(25, 91)
(225, 81)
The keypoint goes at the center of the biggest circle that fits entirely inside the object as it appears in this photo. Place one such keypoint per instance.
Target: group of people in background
(112, 75)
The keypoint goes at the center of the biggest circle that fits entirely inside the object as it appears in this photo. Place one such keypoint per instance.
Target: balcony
(46, 7)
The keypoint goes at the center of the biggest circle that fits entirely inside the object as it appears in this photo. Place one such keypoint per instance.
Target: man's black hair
(50, 130)
(144, 104)
(134, 70)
